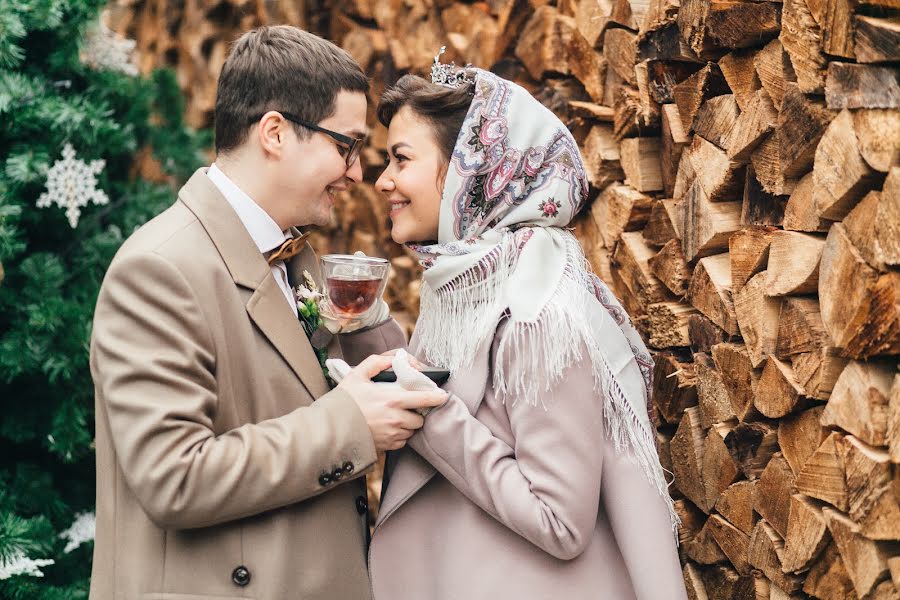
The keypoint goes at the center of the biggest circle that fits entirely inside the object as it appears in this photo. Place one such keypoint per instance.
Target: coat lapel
(266, 307)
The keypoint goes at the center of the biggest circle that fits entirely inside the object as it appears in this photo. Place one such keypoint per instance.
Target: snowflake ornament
(72, 183)
(104, 49)
(82, 530)
(19, 564)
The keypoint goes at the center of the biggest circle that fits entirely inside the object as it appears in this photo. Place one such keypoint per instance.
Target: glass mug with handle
(353, 283)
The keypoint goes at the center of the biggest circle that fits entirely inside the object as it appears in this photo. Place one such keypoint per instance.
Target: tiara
(447, 75)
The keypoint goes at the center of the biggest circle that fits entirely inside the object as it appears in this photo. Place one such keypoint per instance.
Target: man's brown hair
(281, 68)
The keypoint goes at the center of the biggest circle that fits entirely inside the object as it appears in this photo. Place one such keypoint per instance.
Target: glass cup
(353, 283)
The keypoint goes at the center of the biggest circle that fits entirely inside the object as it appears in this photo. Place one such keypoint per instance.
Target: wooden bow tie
(289, 249)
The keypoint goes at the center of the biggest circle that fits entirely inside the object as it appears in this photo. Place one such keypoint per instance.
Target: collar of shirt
(262, 228)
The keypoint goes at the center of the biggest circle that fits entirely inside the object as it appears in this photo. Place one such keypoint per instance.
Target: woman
(539, 477)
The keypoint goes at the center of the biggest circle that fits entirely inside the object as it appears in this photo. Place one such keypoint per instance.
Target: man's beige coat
(215, 424)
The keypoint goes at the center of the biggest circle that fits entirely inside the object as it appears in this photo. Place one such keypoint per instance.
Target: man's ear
(270, 130)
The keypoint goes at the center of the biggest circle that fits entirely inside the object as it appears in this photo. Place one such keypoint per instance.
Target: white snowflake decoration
(105, 49)
(72, 183)
(81, 531)
(19, 564)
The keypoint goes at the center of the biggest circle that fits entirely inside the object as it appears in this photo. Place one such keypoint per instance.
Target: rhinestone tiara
(447, 75)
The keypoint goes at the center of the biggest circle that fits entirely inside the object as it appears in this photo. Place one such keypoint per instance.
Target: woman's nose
(384, 184)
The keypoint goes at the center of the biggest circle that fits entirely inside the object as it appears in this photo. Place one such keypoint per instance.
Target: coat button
(362, 505)
(324, 479)
(337, 474)
(241, 576)
(348, 467)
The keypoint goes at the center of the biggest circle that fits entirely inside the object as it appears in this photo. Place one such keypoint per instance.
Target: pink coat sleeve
(546, 486)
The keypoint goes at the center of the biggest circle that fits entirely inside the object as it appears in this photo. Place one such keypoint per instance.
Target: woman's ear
(443, 168)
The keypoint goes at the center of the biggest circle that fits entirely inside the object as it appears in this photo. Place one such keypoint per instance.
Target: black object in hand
(439, 376)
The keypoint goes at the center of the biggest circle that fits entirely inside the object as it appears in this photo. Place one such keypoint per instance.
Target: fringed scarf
(515, 181)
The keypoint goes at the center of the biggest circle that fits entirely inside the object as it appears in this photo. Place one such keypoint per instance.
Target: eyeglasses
(348, 147)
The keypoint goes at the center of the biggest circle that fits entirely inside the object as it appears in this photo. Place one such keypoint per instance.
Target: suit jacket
(496, 500)
(225, 466)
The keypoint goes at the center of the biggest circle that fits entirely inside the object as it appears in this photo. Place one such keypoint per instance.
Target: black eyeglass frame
(353, 145)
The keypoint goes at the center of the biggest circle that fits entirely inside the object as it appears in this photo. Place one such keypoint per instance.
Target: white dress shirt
(261, 227)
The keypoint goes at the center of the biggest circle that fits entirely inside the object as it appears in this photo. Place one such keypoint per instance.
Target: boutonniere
(308, 299)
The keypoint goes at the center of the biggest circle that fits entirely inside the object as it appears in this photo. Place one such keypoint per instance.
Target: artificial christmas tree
(89, 151)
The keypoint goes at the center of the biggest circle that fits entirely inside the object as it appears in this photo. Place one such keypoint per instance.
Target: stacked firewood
(744, 158)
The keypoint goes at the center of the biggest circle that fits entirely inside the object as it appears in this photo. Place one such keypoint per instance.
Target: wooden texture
(710, 291)
(757, 316)
(738, 377)
(807, 535)
(859, 401)
(793, 267)
(800, 435)
(862, 86)
(670, 267)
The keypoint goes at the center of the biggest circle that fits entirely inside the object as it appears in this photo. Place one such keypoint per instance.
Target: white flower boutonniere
(308, 299)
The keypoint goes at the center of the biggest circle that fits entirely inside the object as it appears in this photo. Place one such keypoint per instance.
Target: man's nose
(354, 172)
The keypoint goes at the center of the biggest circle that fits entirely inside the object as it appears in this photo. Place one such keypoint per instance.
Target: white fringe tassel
(463, 314)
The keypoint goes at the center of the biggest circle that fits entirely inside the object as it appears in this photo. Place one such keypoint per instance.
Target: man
(225, 466)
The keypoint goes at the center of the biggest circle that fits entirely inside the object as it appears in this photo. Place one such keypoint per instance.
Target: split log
(665, 222)
(767, 166)
(543, 44)
(800, 213)
(631, 256)
(862, 86)
(703, 549)
(766, 553)
(674, 386)
(668, 324)
(800, 435)
(691, 517)
(818, 371)
(736, 505)
(742, 24)
(733, 542)
(706, 225)
(757, 119)
(620, 208)
(693, 584)
(687, 458)
(859, 402)
(748, 250)
(801, 38)
(710, 291)
(724, 583)
(752, 445)
(865, 560)
(807, 536)
(802, 122)
(893, 434)
(793, 263)
(664, 75)
(704, 334)
(716, 119)
(872, 491)
(865, 225)
(887, 228)
(800, 328)
(713, 399)
(878, 137)
(772, 498)
(587, 65)
(828, 577)
(665, 43)
(699, 87)
(841, 175)
(822, 476)
(738, 69)
(894, 566)
(860, 307)
(674, 140)
(671, 268)
(620, 51)
(876, 40)
(778, 393)
(719, 468)
(739, 378)
(773, 66)
(601, 157)
(720, 178)
(590, 110)
(640, 161)
(594, 16)
(630, 117)
(757, 316)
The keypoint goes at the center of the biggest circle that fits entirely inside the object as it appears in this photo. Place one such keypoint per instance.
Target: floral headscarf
(515, 181)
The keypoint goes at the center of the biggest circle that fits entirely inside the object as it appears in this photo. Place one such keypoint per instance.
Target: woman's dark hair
(444, 108)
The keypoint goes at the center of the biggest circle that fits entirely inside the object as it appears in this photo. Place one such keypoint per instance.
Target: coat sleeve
(546, 485)
(154, 362)
(359, 345)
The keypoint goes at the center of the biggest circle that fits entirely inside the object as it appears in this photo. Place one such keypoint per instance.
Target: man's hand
(388, 409)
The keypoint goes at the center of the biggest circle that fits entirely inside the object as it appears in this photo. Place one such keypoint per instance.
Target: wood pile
(745, 164)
